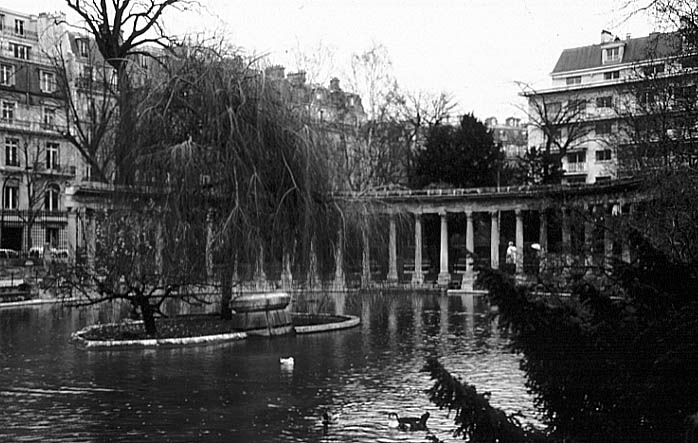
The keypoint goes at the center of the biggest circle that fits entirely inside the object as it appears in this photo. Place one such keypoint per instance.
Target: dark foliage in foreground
(475, 418)
(609, 369)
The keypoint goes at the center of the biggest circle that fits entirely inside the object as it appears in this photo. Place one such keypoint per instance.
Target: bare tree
(560, 126)
(123, 30)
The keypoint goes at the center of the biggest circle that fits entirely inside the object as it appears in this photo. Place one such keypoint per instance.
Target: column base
(417, 279)
(444, 279)
(468, 282)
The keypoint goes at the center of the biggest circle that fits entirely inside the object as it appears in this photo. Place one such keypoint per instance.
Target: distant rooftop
(653, 46)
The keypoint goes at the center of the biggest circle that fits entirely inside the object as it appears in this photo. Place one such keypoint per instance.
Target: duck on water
(408, 423)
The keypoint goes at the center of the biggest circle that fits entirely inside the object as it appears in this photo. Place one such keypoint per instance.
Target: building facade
(511, 136)
(601, 95)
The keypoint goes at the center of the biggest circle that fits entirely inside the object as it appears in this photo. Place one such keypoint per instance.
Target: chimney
(606, 36)
(297, 78)
(491, 122)
(275, 72)
(334, 85)
(627, 36)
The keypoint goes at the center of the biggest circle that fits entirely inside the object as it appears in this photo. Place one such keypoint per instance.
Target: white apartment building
(594, 91)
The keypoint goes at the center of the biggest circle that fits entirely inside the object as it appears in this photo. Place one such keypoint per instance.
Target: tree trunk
(147, 314)
(226, 292)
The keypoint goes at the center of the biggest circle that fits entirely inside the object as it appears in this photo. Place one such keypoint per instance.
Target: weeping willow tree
(236, 163)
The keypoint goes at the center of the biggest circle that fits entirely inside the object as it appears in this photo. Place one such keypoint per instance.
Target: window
(7, 75)
(603, 155)
(653, 70)
(144, 61)
(574, 80)
(11, 151)
(647, 97)
(10, 198)
(604, 102)
(603, 128)
(47, 81)
(613, 75)
(577, 105)
(51, 155)
(20, 51)
(19, 27)
(577, 157)
(49, 117)
(554, 108)
(612, 55)
(51, 198)
(82, 47)
(8, 112)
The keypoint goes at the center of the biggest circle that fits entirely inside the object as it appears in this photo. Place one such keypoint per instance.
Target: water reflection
(50, 390)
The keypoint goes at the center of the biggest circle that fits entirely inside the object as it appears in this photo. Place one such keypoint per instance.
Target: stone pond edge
(349, 322)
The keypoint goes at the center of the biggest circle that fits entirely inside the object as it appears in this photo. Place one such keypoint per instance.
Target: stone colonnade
(606, 209)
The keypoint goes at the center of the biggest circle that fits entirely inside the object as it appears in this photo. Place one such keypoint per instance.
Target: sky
(476, 50)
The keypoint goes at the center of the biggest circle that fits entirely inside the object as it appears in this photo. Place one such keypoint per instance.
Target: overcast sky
(475, 49)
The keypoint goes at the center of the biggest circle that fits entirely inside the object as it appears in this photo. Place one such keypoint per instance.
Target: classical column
(608, 238)
(365, 259)
(494, 239)
(159, 247)
(260, 276)
(589, 238)
(392, 252)
(339, 283)
(91, 239)
(468, 278)
(72, 233)
(444, 277)
(566, 232)
(209, 245)
(625, 252)
(542, 239)
(417, 275)
(519, 241)
(313, 277)
(286, 275)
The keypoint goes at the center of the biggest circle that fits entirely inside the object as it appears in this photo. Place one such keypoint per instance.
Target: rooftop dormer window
(612, 55)
(82, 47)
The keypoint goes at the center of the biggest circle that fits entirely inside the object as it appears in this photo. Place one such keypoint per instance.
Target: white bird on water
(286, 362)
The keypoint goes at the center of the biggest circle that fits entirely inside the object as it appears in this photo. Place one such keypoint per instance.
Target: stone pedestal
(262, 314)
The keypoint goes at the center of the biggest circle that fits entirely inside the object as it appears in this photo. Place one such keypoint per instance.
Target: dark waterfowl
(408, 423)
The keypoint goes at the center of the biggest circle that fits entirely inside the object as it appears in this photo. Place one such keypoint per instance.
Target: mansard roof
(653, 46)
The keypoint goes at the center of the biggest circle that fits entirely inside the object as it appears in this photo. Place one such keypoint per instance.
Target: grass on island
(188, 326)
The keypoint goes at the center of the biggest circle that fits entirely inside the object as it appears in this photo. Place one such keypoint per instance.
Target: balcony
(25, 34)
(31, 125)
(576, 168)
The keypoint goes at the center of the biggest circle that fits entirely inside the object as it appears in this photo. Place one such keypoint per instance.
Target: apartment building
(511, 136)
(38, 163)
(598, 93)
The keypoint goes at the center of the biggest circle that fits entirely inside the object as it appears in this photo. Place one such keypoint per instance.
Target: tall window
(603, 128)
(10, 197)
(604, 102)
(48, 81)
(20, 51)
(49, 117)
(7, 75)
(8, 112)
(19, 27)
(82, 47)
(612, 55)
(554, 108)
(51, 155)
(604, 155)
(11, 151)
(51, 198)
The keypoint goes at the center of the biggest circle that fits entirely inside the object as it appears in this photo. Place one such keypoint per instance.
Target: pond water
(238, 392)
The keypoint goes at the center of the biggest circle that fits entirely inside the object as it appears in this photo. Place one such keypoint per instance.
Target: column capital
(494, 213)
(518, 212)
(469, 213)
